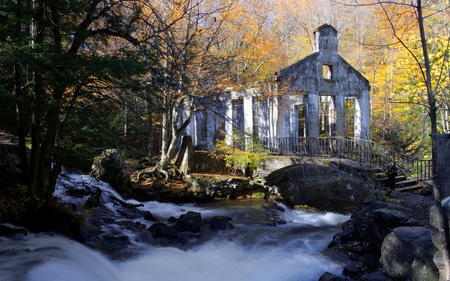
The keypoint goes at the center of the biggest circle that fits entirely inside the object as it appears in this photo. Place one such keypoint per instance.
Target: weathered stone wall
(270, 111)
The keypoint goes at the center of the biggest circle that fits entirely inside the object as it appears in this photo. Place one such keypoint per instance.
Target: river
(269, 242)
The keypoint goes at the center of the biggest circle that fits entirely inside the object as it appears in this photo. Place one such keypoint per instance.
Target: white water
(254, 250)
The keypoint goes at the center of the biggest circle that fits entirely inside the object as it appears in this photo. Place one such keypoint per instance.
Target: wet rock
(94, 200)
(376, 220)
(220, 223)
(160, 230)
(191, 221)
(111, 168)
(149, 216)
(362, 236)
(407, 254)
(185, 236)
(343, 237)
(7, 230)
(327, 276)
(374, 276)
(115, 241)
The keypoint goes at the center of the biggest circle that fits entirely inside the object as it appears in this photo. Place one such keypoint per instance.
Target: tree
(400, 25)
(57, 62)
(180, 35)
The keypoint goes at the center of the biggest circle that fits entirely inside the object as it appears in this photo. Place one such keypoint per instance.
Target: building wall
(272, 112)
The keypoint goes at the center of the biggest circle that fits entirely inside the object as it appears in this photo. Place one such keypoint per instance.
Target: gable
(307, 76)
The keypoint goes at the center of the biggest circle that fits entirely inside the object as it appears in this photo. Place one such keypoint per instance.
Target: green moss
(258, 195)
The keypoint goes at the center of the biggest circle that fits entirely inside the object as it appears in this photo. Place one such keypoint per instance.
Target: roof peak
(326, 26)
(325, 39)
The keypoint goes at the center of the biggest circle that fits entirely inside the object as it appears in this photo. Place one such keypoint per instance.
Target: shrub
(236, 159)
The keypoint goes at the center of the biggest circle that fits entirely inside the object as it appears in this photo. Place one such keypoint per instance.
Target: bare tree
(424, 66)
(177, 41)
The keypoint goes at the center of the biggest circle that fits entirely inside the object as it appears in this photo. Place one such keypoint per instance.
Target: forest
(81, 76)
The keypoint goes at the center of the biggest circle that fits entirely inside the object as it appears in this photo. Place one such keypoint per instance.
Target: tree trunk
(149, 129)
(22, 120)
(45, 120)
(174, 131)
(166, 126)
(125, 123)
(21, 103)
(431, 97)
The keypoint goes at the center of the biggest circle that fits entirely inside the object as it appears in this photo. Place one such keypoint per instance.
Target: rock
(407, 254)
(184, 236)
(94, 200)
(111, 168)
(309, 184)
(363, 235)
(435, 236)
(191, 221)
(219, 223)
(327, 276)
(376, 220)
(7, 230)
(374, 276)
(149, 216)
(160, 230)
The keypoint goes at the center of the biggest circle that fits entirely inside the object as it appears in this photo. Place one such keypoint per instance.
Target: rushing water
(260, 247)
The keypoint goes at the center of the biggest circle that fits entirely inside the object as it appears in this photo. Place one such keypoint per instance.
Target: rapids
(269, 242)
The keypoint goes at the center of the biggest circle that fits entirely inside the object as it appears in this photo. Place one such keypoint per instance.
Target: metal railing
(363, 151)
(423, 170)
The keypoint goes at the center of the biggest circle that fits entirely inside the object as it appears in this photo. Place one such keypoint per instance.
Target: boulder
(219, 223)
(320, 186)
(188, 226)
(94, 200)
(191, 221)
(434, 230)
(110, 167)
(327, 276)
(377, 275)
(376, 220)
(363, 235)
(160, 230)
(407, 254)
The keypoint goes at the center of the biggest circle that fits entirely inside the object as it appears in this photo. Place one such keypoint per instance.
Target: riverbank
(363, 256)
(388, 240)
(416, 205)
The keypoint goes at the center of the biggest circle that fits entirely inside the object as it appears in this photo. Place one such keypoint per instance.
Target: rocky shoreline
(388, 239)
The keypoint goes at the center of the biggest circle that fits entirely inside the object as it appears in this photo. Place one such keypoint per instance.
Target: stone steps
(402, 183)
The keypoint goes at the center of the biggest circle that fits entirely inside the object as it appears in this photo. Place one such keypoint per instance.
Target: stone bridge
(329, 173)
(334, 184)
(358, 153)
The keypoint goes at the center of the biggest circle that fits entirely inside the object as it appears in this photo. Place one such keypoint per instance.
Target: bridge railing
(423, 170)
(364, 151)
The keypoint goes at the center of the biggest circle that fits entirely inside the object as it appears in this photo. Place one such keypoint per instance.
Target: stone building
(320, 95)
